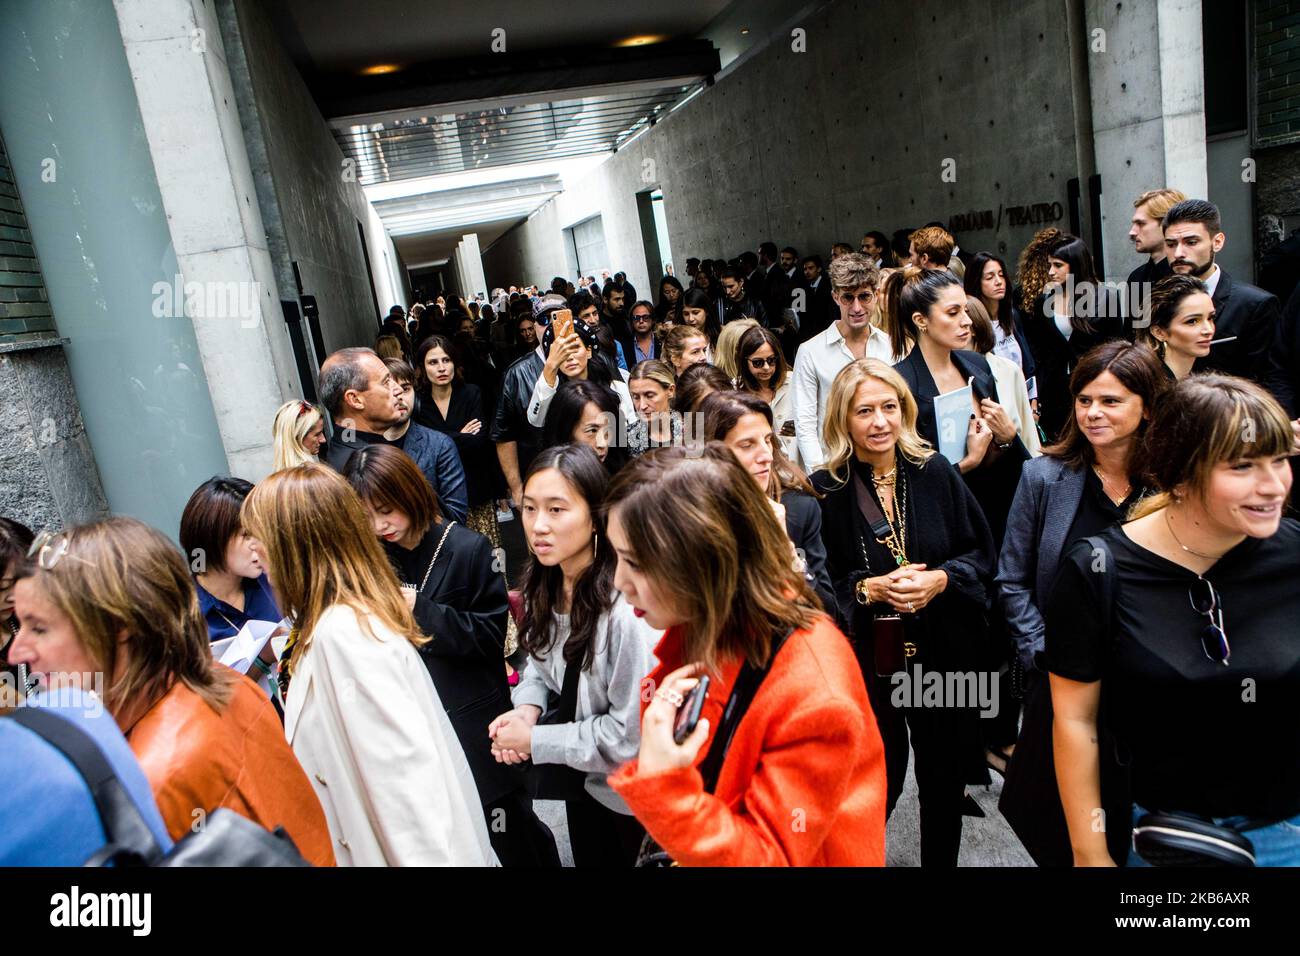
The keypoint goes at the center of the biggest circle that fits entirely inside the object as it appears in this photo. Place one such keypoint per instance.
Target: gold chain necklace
(1169, 520)
(1127, 488)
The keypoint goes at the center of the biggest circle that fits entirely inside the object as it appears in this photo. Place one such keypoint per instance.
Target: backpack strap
(124, 825)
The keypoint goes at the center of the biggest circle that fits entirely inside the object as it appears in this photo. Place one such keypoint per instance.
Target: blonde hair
(293, 423)
(1202, 421)
(675, 341)
(654, 370)
(835, 431)
(729, 344)
(321, 551)
(389, 346)
(122, 576)
(1159, 201)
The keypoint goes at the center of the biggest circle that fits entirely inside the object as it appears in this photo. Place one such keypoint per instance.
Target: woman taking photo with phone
(585, 647)
(911, 562)
(571, 357)
(361, 712)
(796, 776)
(1185, 617)
(451, 584)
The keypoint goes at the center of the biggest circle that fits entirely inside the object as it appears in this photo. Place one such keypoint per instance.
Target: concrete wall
(313, 200)
(814, 147)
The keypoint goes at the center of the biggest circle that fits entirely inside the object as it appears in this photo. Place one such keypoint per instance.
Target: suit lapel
(1061, 502)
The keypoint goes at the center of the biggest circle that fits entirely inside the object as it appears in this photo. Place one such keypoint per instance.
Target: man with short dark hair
(1246, 317)
(819, 309)
(874, 246)
(517, 441)
(755, 276)
(627, 288)
(790, 264)
(365, 401)
(612, 305)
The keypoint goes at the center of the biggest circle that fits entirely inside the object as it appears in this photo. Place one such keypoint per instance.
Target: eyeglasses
(769, 362)
(1205, 601)
(46, 552)
(863, 297)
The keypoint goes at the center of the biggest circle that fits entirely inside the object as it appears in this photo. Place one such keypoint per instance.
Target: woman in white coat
(361, 711)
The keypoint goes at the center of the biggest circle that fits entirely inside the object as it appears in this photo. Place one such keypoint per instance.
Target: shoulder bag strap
(875, 518)
(748, 681)
(123, 824)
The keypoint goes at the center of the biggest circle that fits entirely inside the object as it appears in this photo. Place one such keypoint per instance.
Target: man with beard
(1246, 317)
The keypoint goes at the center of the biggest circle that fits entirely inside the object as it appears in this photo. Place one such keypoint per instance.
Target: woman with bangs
(115, 599)
(1180, 626)
(361, 712)
(911, 561)
(784, 766)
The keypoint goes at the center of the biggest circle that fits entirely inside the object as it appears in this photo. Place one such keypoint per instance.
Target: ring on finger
(671, 696)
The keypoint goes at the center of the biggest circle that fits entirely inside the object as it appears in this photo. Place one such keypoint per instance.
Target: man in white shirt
(854, 285)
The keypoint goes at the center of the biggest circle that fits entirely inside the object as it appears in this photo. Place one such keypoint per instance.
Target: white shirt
(1212, 282)
(543, 393)
(816, 364)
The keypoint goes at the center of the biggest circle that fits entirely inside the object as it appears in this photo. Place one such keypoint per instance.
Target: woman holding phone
(796, 776)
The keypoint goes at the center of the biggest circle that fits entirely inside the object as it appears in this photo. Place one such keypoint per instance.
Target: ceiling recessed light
(644, 39)
(380, 68)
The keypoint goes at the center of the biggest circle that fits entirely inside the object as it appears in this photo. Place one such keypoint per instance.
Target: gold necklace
(1127, 488)
(1169, 520)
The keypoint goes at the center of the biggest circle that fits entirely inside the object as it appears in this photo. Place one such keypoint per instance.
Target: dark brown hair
(697, 381)
(722, 411)
(1138, 370)
(909, 290)
(211, 519)
(750, 342)
(724, 559)
(386, 478)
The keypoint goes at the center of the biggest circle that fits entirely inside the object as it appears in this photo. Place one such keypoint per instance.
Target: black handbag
(748, 681)
(1184, 839)
(556, 781)
(226, 838)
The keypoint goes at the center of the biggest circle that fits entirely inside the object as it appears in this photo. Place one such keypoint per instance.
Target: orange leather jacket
(198, 760)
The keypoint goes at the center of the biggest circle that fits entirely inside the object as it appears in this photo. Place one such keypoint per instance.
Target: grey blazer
(1047, 499)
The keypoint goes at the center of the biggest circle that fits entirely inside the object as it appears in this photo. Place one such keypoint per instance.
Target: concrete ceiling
(565, 89)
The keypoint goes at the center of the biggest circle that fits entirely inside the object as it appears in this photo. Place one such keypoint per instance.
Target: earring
(595, 544)
(1160, 349)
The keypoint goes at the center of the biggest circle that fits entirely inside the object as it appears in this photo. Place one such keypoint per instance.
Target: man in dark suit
(776, 297)
(819, 309)
(1146, 232)
(755, 276)
(1246, 317)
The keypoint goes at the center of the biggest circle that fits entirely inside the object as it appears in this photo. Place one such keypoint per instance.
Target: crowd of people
(758, 508)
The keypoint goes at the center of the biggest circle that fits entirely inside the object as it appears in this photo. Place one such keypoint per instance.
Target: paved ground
(984, 842)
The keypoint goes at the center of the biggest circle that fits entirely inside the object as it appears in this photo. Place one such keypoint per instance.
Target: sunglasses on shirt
(1205, 601)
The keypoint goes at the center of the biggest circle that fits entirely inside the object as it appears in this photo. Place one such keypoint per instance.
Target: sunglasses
(46, 551)
(1205, 601)
(863, 297)
(769, 362)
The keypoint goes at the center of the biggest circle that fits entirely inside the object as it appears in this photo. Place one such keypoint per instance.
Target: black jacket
(1250, 316)
(1147, 274)
(994, 482)
(1054, 359)
(511, 421)
(483, 476)
(803, 525)
(819, 311)
(463, 607)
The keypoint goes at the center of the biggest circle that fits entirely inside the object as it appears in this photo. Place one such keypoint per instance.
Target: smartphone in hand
(563, 320)
(688, 715)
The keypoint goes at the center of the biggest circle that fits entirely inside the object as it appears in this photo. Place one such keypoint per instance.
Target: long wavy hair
(723, 558)
(321, 550)
(1031, 270)
(835, 430)
(593, 592)
(120, 575)
(974, 285)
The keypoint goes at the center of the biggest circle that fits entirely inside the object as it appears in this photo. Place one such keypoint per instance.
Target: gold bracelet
(864, 591)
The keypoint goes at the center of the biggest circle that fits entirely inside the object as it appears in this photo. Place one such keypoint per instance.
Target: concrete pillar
(1148, 109)
(472, 266)
(188, 108)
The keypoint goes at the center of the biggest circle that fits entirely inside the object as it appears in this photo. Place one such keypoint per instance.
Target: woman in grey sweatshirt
(576, 625)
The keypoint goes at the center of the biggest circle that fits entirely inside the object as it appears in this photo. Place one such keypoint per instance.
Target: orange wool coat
(199, 760)
(804, 781)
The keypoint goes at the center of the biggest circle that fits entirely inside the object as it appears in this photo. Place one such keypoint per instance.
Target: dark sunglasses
(763, 362)
(1205, 601)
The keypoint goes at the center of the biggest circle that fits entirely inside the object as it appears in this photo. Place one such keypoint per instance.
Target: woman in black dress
(447, 403)
(456, 591)
(1172, 639)
(912, 581)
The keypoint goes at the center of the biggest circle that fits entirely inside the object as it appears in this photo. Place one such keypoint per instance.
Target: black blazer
(1252, 316)
(463, 607)
(803, 524)
(1054, 359)
(820, 309)
(994, 482)
(483, 478)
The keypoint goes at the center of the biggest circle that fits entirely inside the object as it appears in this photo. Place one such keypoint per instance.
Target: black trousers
(601, 837)
(937, 736)
(518, 836)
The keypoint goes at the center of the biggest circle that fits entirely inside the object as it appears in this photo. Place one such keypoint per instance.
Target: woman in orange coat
(111, 607)
(800, 775)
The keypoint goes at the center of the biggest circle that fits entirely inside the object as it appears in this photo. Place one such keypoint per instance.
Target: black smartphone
(688, 715)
